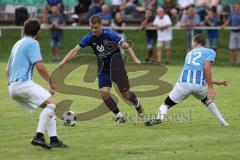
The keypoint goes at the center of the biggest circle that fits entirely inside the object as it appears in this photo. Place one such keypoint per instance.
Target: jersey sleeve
(34, 54)
(85, 41)
(211, 56)
(114, 37)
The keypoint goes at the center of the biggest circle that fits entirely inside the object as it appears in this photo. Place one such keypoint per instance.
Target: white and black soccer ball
(69, 118)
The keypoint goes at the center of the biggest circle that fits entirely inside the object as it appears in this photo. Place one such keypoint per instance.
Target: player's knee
(205, 100)
(169, 102)
(126, 94)
(50, 101)
(104, 94)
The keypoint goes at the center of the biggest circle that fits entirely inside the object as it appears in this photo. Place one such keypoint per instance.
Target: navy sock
(111, 104)
(133, 99)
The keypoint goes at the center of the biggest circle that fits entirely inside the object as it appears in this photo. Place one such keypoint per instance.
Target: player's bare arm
(7, 71)
(208, 74)
(130, 51)
(70, 55)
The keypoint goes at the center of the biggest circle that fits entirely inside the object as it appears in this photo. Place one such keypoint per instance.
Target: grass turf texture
(197, 135)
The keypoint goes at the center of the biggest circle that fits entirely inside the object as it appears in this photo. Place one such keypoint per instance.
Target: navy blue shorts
(104, 79)
(120, 78)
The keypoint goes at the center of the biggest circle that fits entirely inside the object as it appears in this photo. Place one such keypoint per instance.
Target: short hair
(95, 20)
(31, 27)
(199, 39)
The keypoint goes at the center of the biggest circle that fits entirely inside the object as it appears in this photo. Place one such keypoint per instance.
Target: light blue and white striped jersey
(25, 53)
(193, 69)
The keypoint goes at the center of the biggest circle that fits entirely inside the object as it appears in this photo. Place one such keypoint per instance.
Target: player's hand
(211, 93)
(222, 82)
(137, 61)
(60, 65)
(51, 91)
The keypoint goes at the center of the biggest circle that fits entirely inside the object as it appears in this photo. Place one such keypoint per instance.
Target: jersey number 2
(193, 57)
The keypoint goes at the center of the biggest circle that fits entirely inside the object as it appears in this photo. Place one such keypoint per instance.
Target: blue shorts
(151, 41)
(104, 79)
(56, 41)
(120, 78)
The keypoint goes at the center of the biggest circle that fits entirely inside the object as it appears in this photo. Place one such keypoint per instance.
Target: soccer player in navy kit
(106, 46)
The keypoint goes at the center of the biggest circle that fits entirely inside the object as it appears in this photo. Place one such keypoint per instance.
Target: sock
(52, 128)
(162, 112)
(133, 99)
(111, 104)
(54, 139)
(213, 108)
(45, 117)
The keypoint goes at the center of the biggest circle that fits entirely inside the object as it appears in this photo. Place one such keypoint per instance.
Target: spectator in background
(168, 5)
(212, 38)
(224, 14)
(189, 21)
(200, 9)
(105, 15)
(81, 9)
(234, 43)
(151, 35)
(48, 8)
(150, 5)
(94, 8)
(174, 17)
(184, 4)
(116, 6)
(55, 24)
(212, 5)
(119, 26)
(164, 34)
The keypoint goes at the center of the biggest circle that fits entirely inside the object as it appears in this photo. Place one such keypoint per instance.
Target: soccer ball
(69, 118)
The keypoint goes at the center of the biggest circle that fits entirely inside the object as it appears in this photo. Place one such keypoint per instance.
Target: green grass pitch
(191, 132)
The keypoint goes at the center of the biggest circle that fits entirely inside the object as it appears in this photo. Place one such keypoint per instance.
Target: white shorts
(182, 90)
(28, 94)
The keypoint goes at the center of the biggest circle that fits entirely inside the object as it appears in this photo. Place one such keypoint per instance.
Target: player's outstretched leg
(214, 110)
(111, 104)
(47, 121)
(133, 99)
(162, 113)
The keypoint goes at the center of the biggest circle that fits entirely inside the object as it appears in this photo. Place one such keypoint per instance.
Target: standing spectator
(94, 8)
(116, 6)
(81, 9)
(55, 23)
(183, 4)
(234, 43)
(119, 26)
(200, 9)
(150, 5)
(151, 35)
(174, 17)
(212, 38)
(212, 5)
(48, 8)
(164, 34)
(190, 21)
(168, 5)
(105, 15)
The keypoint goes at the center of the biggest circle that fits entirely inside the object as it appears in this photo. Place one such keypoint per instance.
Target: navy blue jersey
(104, 46)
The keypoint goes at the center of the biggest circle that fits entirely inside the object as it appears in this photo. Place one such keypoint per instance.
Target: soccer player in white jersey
(25, 55)
(195, 75)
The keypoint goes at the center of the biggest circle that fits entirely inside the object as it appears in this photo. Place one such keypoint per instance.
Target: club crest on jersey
(100, 48)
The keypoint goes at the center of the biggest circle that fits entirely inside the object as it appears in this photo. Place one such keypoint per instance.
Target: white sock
(52, 128)
(45, 117)
(213, 108)
(162, 112)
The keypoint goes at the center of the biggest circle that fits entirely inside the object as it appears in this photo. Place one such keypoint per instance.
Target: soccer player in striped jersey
(195, 75)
